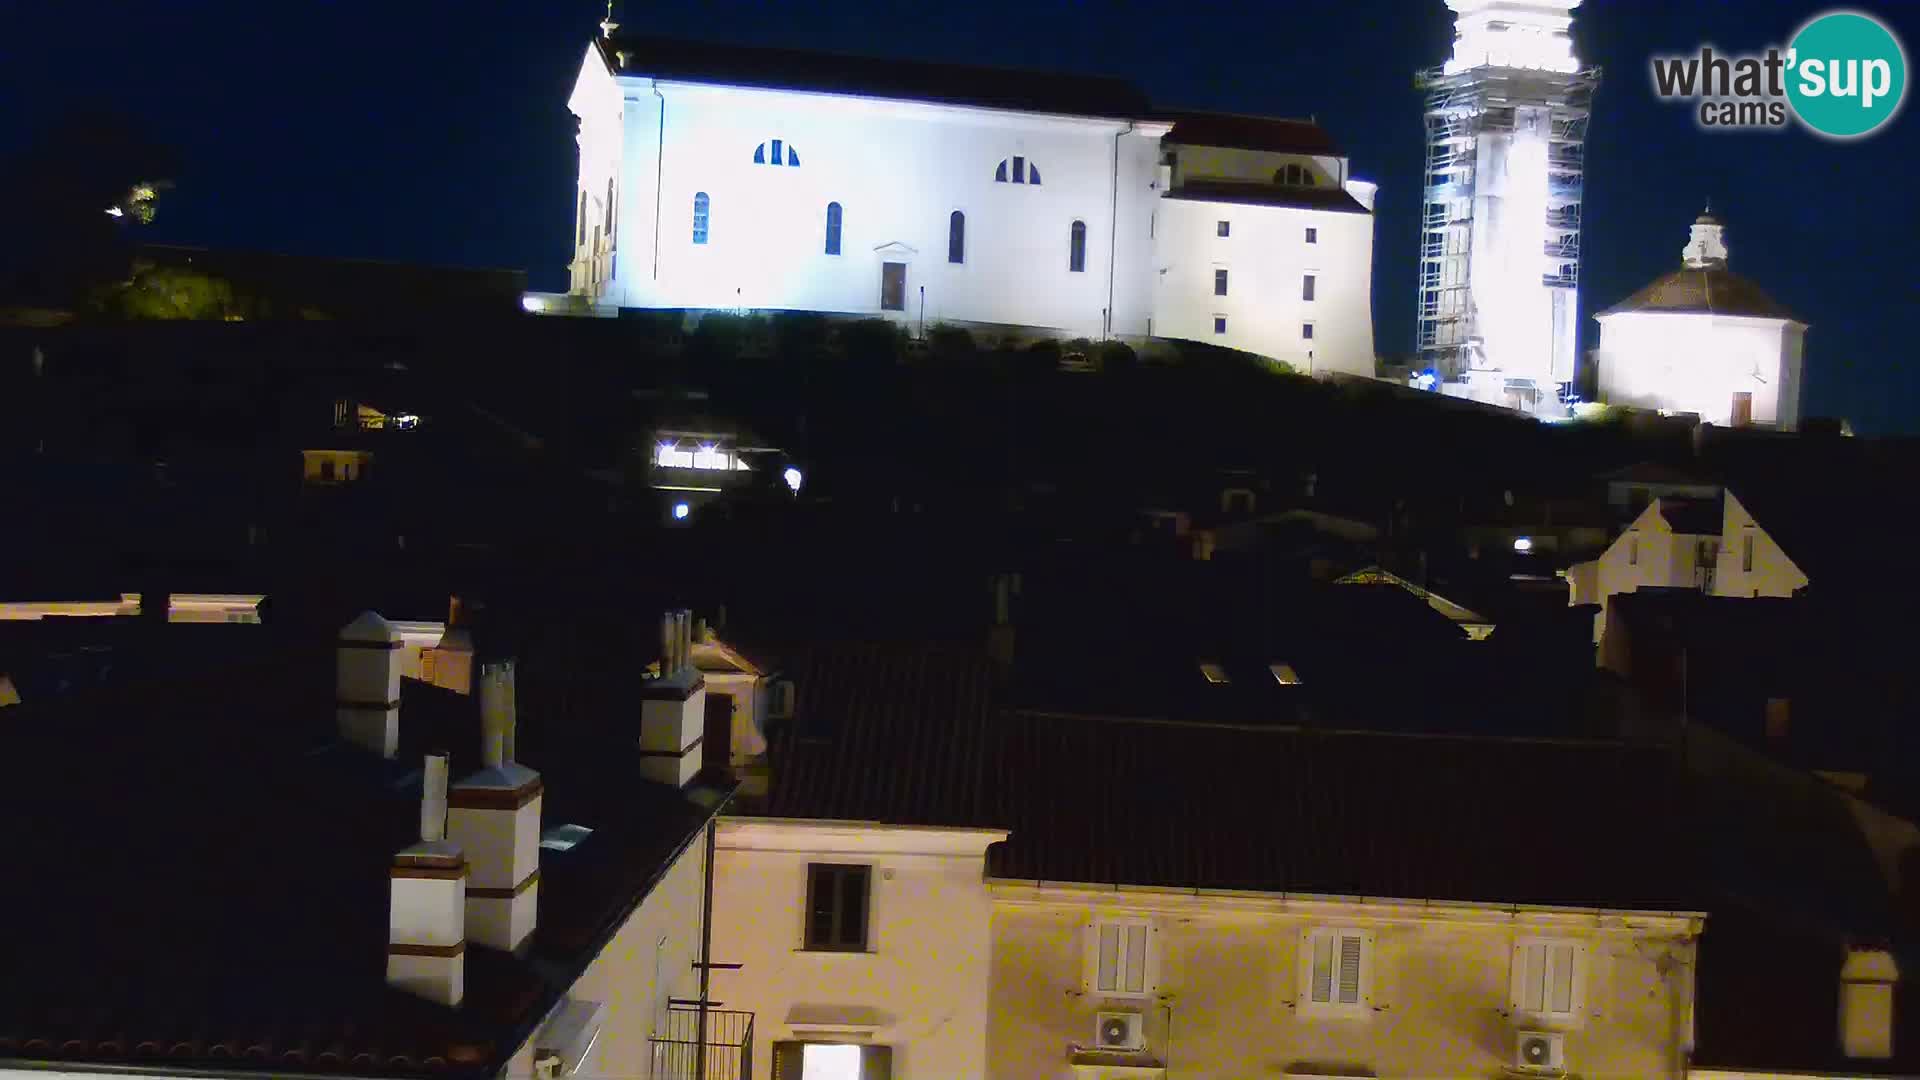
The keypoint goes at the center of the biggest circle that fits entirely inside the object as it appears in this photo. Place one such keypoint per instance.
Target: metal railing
(677, 1053)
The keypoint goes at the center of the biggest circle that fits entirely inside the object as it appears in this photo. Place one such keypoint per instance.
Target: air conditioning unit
(1540, 1052)
(1120, 1031)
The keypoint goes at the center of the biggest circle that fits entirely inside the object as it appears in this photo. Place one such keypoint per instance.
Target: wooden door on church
(893, 286)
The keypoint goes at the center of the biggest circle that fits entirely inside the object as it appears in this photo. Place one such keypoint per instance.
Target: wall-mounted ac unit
(1540, 1052)
(1119, 1031)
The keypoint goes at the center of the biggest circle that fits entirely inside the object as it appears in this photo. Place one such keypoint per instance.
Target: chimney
(1867, 979)
(673, 708)
(426, 914)
(367, 684)
(453, 656)
(495, 818)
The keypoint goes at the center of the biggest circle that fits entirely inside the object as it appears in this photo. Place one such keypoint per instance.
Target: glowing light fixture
(680, 511)
(1523, 544)
(793, 478)
(530, 304)
(114, 211)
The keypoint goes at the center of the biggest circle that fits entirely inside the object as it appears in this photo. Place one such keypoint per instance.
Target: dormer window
(1016, 170)
(775, 152)
(1294, 176)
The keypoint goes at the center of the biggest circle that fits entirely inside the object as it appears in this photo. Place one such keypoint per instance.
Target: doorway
(893, 286)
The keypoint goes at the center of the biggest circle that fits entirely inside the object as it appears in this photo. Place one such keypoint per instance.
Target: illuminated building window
(1219, 324)
(1077, 248)
(610, 245)
(1016, 170)
(1214, 673)
(837, 906)
(833, 228)
(957, 237)
(1306, 287)
(1219, 282)
(1746, 553)
(1338, 971)
(1284, 674)
(1306, 331)
(1633, 551)
(1293, 176)
(1120, 958)
(775, 152)
(1547, 977)
(700, 205)
(1313, 235)
(1222, 228)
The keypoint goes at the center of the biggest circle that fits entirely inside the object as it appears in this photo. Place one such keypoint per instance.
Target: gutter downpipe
(706, 953)
(659, 175)
(1113, 230)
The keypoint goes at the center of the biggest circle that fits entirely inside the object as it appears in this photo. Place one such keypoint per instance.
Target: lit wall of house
(857, 934)
(1697, 362)
(1241, 985)
(727, 197)
(1750, 562)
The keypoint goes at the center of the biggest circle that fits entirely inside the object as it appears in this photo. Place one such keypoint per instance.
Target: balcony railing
(677, 1052)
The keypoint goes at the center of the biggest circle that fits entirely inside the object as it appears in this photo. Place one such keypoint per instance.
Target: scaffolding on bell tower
(1463, 108)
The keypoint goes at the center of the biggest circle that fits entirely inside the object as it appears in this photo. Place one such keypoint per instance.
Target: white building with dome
(1704, 340)
(723, 177)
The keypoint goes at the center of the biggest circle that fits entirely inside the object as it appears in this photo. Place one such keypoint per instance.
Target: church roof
(1250, 133)
(1241, 191)
(871, 76)
(1714, 291)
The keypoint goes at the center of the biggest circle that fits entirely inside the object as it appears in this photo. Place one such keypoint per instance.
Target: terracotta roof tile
(1714, 291)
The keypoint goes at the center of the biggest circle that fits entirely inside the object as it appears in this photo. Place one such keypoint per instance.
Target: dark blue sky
(437, 131)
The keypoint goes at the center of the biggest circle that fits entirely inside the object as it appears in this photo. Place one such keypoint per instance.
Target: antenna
(607, 25)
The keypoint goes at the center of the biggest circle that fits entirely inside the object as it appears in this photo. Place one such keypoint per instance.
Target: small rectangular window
(1306, 331)
(1219, 282)
(1313, 235)
(1222, 228)
(1633, 551)
(776, 157)
(837, 897)
(1335, 971)
(1306, 287)
(1746, 553)
(1120, 960)
(1219, 324)
(1019, 170)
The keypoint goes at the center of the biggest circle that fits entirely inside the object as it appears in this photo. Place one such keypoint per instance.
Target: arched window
(582, 238)
(775, 152)
(610, 240)
(1016, 170)
(833, 228)
(699, 217)
(1077, 248)
(957, 237)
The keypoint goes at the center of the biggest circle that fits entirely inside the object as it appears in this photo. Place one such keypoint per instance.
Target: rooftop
(1703, 291)
(1238, 132)
(1256, 194)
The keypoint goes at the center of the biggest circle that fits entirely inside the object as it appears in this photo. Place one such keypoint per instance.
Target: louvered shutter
(1323, 968)
(1110, 955)
(1135, 974)
(1559, 988)
(1546, 977)
(1530, 978)
(1350, 947)
(876, 1063)
(787, 1060)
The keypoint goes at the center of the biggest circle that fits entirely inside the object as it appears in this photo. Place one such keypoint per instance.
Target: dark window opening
(957, 237)
(837, 906)
(700, 204)
(833, 228)
(1223, 228)
(1077, 248)
(1306, 331)
(1306, 287)
(893, 286)
(582, 239)
(1313, 235)
(1219, 324)
(1019, 170)
(1219, 282)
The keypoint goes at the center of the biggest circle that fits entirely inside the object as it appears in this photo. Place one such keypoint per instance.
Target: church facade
(718, 177)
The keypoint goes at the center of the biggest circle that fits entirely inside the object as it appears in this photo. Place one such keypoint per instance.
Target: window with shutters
(1120, 958)
(1548, 978)
(837, 905)
(1336, 973)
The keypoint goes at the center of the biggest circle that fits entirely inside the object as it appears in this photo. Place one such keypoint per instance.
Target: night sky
(434, 131)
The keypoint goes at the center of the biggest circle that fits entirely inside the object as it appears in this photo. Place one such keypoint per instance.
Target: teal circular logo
(1846, 74)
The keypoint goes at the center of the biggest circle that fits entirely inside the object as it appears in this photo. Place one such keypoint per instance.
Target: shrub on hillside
(951, 345)
(872, 341)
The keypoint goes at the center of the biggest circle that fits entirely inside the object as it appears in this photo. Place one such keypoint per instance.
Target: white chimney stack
(673, 708)
(426, 914)
(1867, 980)
(494, 815)
(367, 684)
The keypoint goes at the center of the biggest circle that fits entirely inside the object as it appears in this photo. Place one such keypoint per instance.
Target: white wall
(922, 986)
(649, 960)
(1266, 257)
(1696, 363)
(1774, 572)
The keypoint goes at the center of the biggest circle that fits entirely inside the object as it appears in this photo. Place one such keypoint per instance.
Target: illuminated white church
(1704, 340)
(726, 177)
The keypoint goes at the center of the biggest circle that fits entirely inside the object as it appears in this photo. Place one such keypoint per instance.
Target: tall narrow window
(1077, 248)
(1746, 554)
(1306, 287)
(778, 151)
(957, 237)
(1220, 282)
(833, 228)
(581, 240)
(609, 215)
(700, 217)
(1019, 170)
(1000, 173)
(1033, 174)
